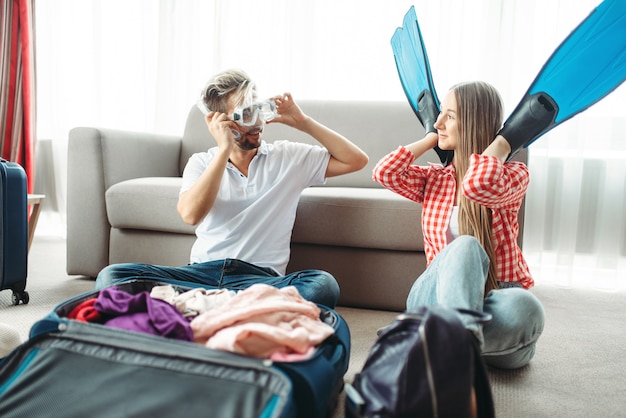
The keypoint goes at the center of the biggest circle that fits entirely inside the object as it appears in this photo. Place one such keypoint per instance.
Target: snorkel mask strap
(202, 106)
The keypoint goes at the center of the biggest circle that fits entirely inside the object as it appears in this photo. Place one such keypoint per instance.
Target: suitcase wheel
(20, 297)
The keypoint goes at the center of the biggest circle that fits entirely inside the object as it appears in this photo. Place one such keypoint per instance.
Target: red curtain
(17, 85)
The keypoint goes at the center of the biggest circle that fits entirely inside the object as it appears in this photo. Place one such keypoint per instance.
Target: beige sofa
(123, 188)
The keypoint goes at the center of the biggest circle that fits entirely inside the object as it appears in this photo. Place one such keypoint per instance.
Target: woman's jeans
(456, 278)
(314, 285)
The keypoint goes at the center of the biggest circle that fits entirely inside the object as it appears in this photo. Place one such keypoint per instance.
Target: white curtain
(140, 65)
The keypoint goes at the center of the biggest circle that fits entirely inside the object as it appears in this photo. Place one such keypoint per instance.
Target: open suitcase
(14, 230)
(70, 368)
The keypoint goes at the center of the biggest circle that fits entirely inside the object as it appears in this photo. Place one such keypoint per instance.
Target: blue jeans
(456, 278)
(315, 285)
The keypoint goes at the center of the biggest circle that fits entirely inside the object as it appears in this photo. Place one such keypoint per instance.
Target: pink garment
(278, 356)
(263, 321)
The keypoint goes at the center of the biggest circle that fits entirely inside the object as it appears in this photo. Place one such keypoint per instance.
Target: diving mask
(248, 115)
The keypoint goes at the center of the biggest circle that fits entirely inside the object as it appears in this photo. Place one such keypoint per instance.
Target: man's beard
(247, 144)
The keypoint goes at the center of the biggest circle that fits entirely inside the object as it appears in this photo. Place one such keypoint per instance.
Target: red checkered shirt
(489, 182)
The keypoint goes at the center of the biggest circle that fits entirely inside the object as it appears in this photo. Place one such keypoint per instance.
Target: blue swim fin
(414, 71)
(588, 65)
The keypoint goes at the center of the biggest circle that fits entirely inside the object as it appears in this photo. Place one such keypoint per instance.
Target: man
(243, 193)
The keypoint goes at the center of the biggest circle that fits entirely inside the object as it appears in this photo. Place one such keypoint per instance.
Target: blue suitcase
(14, 230)
(76, 369)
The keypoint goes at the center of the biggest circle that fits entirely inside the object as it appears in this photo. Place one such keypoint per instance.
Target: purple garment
(142, 313)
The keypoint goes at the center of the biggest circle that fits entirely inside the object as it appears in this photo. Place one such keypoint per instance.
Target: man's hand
(223, 129)
(289, 112)
(345, 157)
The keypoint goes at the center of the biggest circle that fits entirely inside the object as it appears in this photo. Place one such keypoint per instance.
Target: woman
(469, 221)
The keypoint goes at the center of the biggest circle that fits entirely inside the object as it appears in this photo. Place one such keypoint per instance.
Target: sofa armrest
(98, 159)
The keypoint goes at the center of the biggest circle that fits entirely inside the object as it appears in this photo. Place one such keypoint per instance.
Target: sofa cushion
(338, 216)
(147, 203)
(358, 217)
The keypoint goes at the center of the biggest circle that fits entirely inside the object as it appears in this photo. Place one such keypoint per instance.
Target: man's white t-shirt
(252, 217)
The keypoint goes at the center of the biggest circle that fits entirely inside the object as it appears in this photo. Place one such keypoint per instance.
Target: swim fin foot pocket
(427, 113)
(444, 155)
(532, 117)
(427, 110)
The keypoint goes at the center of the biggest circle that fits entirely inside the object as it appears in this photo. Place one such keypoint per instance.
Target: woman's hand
(432, 139)
(499, 148)
(427, 143)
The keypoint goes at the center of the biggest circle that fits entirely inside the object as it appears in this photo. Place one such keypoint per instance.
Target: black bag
(424, 364)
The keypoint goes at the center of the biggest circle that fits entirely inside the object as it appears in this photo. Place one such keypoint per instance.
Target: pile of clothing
(260, 321)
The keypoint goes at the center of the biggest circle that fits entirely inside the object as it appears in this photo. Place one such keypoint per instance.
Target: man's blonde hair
(225, 84)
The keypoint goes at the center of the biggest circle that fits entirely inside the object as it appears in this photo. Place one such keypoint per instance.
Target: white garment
(453, 226)
(252, 217)
(194, 301)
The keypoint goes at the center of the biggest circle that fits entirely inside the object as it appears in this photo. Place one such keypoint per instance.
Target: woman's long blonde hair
(480, 112)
